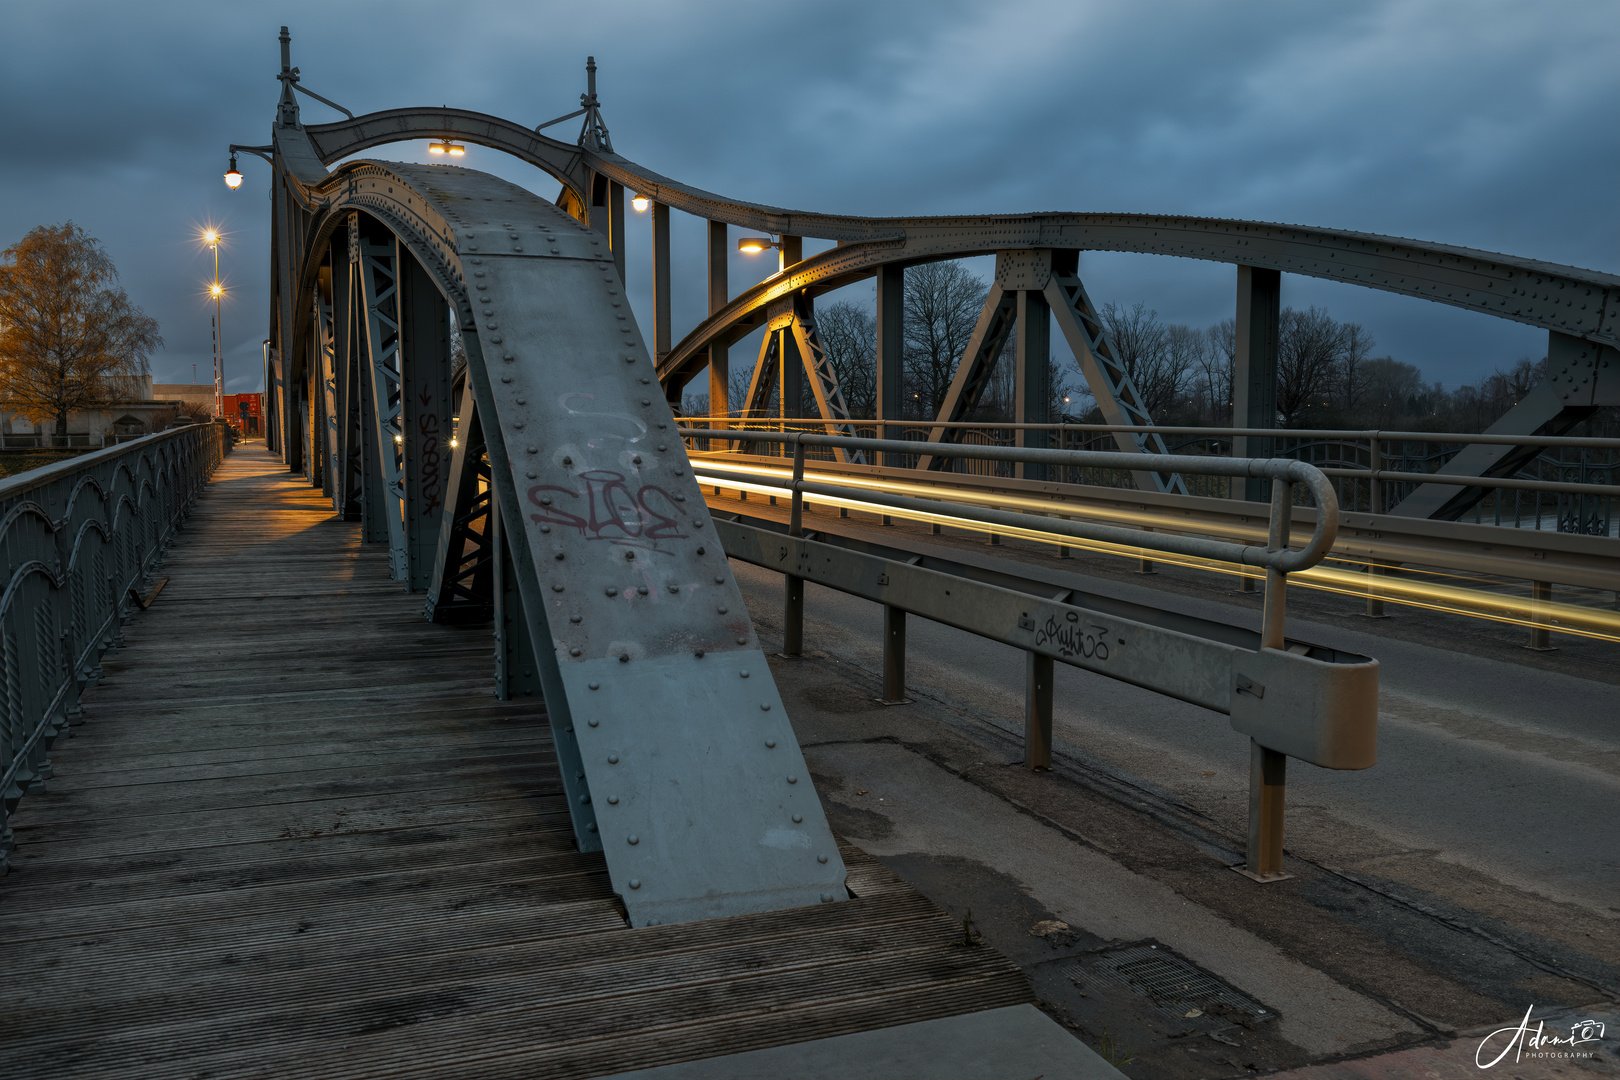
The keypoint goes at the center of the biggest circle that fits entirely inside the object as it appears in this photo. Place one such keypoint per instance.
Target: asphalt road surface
(1473, 872)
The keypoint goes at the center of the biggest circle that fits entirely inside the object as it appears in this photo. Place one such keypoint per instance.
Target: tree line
(1327, 376)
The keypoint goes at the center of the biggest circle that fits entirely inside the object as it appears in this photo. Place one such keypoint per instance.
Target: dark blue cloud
(1488, 124)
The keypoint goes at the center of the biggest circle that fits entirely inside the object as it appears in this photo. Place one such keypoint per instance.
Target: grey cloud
(1487, 124)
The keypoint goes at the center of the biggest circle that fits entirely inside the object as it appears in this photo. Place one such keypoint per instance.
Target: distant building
(142, 409)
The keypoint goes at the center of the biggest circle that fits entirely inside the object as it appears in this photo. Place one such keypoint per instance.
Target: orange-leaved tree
(70, 340)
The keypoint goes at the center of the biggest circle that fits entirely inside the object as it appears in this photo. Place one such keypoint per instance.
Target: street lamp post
(211, 238)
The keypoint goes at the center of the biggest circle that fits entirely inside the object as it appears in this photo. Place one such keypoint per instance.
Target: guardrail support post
(1268, 769)
(1540, 634)
(1144, 565)
(1038, 673)
(894, 657)
(793, 617)
(1268, 777)
(1375, 497)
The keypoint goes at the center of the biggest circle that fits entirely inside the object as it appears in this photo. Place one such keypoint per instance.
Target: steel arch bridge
(544, 483)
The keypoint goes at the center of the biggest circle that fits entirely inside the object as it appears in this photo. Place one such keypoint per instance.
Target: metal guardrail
(1374, 543)
(1292, 699)
(81, 539)
(1375, 467)
(1275, 555)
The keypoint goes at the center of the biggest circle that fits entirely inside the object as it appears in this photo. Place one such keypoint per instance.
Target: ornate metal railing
(81, 540)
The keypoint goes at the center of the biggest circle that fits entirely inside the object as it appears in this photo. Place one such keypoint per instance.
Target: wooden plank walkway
(297, 836)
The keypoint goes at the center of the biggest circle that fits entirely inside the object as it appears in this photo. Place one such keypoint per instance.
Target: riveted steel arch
(606, 557)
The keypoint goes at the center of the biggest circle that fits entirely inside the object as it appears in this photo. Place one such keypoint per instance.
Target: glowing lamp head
(399, 438)
(216, 290)
(445, 146)
(640, 202)
(210, 237)
(233, 175)
(753, 245)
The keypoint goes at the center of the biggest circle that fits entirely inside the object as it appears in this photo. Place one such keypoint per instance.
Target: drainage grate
(1174, 984)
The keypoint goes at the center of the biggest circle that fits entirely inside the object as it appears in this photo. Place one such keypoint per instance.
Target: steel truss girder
(770, 372)
(823, 379)
(1110, 383)
(1565, 299)
(462, 589)
(1581, 378)
(616, 599)
(379, 277)
(973, 373)
(764, 380)
(1054, 275)
(1581, 303)
(331, 393)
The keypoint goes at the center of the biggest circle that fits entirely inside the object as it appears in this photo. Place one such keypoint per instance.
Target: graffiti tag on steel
(608, 510)
(1073, 640)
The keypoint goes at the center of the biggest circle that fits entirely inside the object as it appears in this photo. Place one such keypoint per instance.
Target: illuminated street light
(445, 146)
(212, 238)
(233, 175)
(640, 202)
(753, 245)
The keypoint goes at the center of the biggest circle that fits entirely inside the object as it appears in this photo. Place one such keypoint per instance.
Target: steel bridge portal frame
(568, 449)
(568, 511)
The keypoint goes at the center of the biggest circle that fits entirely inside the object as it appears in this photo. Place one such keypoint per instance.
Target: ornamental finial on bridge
(287, 108)
(594, 134)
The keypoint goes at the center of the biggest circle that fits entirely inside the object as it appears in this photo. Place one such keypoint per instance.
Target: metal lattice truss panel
(1054, 275)
(463, 575)
(760, 387)
(770, 374)
(1110, 383)
(823, 379)
(989, 338)
(380, 367)
(681, 768)
(327, 331)
(1582, 377)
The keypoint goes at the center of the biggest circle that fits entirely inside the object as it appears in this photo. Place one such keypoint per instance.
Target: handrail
(1282, 470)
(81, 538)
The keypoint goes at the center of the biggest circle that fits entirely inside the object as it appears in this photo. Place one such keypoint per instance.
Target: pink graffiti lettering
(608, 510)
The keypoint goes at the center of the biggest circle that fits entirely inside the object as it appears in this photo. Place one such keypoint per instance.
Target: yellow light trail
(1433, 596)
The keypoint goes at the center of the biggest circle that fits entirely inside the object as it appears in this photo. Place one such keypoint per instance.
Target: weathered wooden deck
(297, 836)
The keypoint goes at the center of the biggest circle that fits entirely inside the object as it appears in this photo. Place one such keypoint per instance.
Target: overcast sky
(1487, 124)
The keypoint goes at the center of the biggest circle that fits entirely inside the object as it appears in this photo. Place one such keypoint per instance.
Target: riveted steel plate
(640, 631)
(701, 793)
